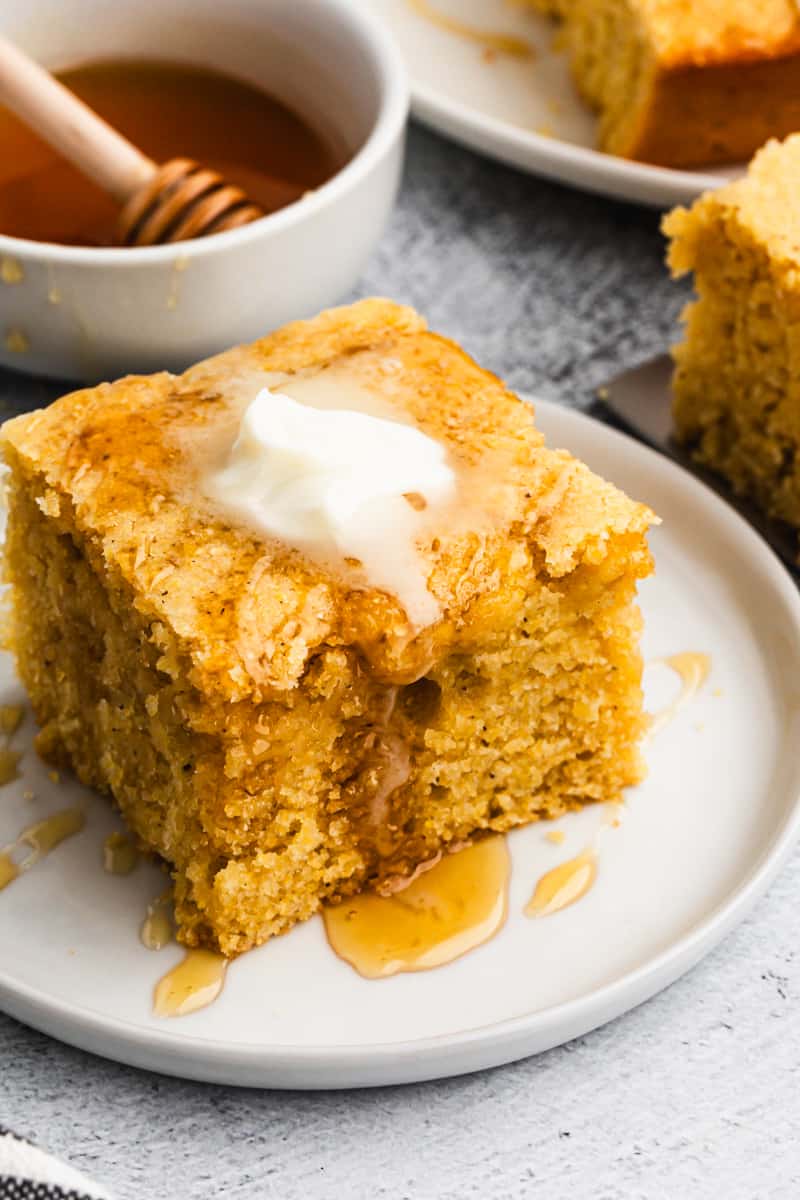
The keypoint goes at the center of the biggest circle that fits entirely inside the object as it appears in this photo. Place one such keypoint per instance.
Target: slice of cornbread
(279, 735)
(683, 83)
(737, 375)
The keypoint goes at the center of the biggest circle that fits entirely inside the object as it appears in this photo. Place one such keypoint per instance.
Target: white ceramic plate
(698, 843)
(526, 113)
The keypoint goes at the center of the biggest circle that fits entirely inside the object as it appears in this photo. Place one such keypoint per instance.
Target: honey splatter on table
(11, 271)
(17, 342)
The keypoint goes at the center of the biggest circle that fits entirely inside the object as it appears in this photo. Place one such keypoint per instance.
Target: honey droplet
(120, 855)
(17, 342)
(9, 762)
(693, 668)
(156, 931)
(556, 836)
(8, 870)
(44, 836)
(10, 718)
(563, 885)
(194, 983)
(11, 271)
(40, 838)
(445, 912)
(416, 500)
(500, 43)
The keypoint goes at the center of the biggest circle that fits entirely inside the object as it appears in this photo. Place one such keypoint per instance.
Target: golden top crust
(762, 208)
(122, 463)
(703, 32)
(699, 33)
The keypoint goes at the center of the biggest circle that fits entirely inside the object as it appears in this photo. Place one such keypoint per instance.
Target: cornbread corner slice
(682, 83)
(281, 738)
(737, 374)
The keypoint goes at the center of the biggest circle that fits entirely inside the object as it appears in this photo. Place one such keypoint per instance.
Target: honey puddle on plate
(500, 43)
(571, 880)
(38, 839)
(563, 885)
(157, 926)
(120, 855)
(455, 906)
(197, 979)
(693, 668)
(195, 983)
(10, 718)
(8, 870)
(9, 762)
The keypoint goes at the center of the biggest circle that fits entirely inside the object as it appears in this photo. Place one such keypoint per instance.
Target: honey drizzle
(43, 836)
(500, 43)
(9, 870)
(193, 984)
(120, 854)
(455, 905)
(693, 668)
(39, 838)
(9, 762)
(563, 885)
(445, 912)
(156, 930)
(10, 719)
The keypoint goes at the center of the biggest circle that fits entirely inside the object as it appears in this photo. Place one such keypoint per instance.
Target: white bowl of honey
(301, 102)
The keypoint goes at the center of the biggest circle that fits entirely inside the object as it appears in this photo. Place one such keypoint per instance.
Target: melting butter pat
(339, 485)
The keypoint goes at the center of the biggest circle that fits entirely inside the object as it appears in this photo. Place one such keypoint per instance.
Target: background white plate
(501, 107)
(699, 841)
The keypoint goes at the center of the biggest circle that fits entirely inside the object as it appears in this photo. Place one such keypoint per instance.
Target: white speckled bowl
(94, 313)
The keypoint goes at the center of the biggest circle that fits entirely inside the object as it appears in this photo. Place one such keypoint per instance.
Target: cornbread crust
(279, 736)
(683, 83)
(737, 375)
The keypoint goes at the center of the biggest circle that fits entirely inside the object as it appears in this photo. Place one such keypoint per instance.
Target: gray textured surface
(693, 1095)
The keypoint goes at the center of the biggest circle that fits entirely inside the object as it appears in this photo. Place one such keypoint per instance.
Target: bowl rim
(393, 109)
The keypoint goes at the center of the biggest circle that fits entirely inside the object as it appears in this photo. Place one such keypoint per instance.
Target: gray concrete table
(693, 1095)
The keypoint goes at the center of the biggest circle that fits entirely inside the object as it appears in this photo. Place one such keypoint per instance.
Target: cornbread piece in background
(737, 375)
(280, 735)
(684, 83)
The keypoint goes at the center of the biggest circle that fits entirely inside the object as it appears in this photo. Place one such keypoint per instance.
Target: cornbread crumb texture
(737, 376)
(685, 82)
(278, 735)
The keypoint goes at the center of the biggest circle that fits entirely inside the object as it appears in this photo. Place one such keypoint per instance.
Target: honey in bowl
(167, 110)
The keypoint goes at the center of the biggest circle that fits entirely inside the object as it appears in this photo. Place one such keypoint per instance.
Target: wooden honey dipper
(169, 203)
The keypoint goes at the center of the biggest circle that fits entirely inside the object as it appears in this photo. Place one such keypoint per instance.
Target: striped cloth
(27, 1173)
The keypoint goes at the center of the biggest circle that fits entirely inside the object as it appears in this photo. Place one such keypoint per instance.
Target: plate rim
(584, 167)
(327, 1066)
